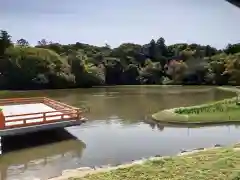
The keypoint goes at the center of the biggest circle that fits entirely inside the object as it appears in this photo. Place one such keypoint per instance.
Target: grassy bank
(227, 110)
(218, 163)
(2, 92)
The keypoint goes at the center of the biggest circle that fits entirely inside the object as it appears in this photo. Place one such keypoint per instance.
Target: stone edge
(84, 171)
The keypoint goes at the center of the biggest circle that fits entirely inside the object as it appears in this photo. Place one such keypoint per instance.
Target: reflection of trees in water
(154, 125)
(189, 128)
(221, 94)
(136, 107)
(125, 107)
(237, 126)
(132, 109)
(21, 162)
(38, 164)
(160, 127)
(14, 164)
(129, 103)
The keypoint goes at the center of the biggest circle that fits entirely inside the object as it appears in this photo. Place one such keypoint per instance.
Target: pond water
(117, 130)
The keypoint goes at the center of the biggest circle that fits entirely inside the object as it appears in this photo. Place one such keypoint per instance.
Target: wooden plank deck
(20, 113)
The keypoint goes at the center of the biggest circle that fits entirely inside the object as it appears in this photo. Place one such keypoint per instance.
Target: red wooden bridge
(23, 115)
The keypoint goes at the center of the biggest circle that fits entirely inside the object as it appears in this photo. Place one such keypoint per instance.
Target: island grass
(218, 117)
(237, 145)
(213, 164)
(221, 111)
(3, 92)
(213, 114)
(224, 111)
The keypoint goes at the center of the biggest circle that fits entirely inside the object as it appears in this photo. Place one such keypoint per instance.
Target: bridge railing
(61, 112)
(57, 104)
(21, 100)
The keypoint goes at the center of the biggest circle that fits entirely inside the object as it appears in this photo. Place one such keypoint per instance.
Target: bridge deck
(30, 114)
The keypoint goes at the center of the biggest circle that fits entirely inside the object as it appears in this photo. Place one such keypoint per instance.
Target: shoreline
(169, 116)
(84, 171)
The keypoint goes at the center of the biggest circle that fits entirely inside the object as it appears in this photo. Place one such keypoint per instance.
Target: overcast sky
(213, 22)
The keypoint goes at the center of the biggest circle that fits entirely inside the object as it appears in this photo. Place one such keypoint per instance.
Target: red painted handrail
(21, 100)
(65, 110)
(2, 120)
(61, 111)
(59, 103)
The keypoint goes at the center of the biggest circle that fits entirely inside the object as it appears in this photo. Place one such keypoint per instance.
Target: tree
(161, 47)
(52, 65)
(5, 42)
(233, 68)
(107, 46)
(210, 51)
(162, 51)
(177, 70)
(232, 48)
(217, 66)
(42, 42)
(22, 42)
(152, 50)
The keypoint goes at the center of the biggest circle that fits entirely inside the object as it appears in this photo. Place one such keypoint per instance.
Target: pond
(118, 130)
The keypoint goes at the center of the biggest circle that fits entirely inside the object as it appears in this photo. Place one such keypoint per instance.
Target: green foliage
(232, 48)
(5, 42)
(22, 42)
(27, 64)
(53, 65)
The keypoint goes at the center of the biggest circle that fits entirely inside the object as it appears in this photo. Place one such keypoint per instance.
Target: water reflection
(154, 125)
(118, 130)
(160, 126)
(129, 103)
(115, 142)
(39, 156)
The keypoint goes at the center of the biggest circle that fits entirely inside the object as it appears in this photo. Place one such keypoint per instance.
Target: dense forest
(53, 65)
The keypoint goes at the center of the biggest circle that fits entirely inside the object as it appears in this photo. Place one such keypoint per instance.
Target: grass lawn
(214, 164)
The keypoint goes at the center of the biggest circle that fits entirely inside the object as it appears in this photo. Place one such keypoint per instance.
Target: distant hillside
(54, 65)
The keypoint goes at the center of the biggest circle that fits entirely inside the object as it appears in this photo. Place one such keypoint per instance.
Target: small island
(223, 111)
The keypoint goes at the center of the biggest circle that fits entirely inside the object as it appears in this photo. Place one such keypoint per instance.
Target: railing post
(78, 114)
(0, 145)
(2, 120)
(44, 117)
